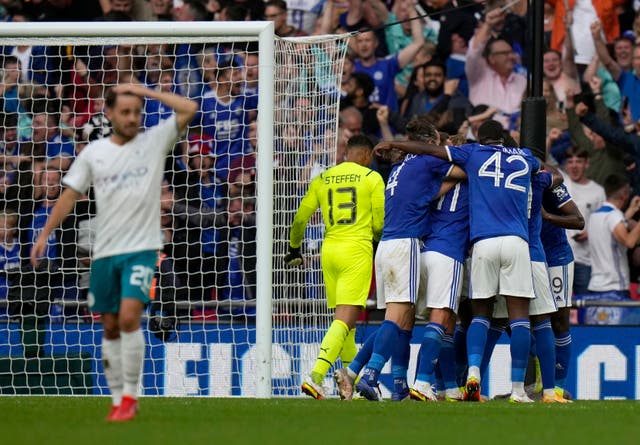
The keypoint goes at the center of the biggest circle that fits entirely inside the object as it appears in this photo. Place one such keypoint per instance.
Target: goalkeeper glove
(293, 258)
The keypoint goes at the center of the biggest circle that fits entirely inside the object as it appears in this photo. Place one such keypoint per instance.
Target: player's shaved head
(490, 131)
(421, 128)
(360, 150)
(359, 141)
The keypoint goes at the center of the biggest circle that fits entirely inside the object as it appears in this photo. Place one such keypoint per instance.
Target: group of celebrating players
(490, 210)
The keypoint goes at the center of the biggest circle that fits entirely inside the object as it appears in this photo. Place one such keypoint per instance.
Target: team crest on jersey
(560, 192)
(378, 75)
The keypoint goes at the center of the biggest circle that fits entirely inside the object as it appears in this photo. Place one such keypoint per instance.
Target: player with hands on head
(125, 171)
(351, 197)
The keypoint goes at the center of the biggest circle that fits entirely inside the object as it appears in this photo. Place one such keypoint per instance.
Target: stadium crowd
(462, 65)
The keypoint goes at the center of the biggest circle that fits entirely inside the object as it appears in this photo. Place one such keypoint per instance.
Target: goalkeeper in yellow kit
(351, 197)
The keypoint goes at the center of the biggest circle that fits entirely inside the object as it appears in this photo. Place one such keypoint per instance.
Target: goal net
(226, 317)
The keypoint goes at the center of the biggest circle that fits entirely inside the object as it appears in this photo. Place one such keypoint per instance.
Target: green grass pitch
(183, 421)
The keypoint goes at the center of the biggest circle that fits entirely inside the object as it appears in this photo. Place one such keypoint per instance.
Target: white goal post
(291, 72)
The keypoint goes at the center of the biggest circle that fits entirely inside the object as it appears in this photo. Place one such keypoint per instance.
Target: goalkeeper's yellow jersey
(352, 201)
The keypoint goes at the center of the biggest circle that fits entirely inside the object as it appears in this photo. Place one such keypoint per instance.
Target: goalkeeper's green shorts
(347, 267)
(120, 276)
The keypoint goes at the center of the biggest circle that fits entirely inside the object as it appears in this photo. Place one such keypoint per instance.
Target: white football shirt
(589, 198)
(609, 263)
(126, 180)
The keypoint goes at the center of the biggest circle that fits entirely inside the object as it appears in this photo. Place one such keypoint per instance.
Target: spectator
(628, 80)
(489, 69)
(588, 196)
(59, 149)
(190, 11)
(361, 15)
(162, 9)
(478, 116)
(223, 117)
(9, 250)
(610, 90)
(437, 95)
(559, 77)
(47, 190)
(359, 88)
(236, 256)
(188, 79)
(276, 11)
(199, 197)
(611, 233)
(448, 19)
(305, 14)
(456, 62)
(399, 35)
(585, 12)
(9, 85)
(242, 171)
(623, 51)
(605, 159)
(384, 70)
(10, 156)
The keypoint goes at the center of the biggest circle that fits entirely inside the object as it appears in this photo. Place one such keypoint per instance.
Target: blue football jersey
(499, 184)
(554, 239)
(382, 72)
(539, 183)
(9, 259)
(40, 215)
(227, 123)
(449, 218)
(411, 187)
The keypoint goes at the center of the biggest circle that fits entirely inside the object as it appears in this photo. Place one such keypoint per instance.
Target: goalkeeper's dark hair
(421, 128)
(359, 141)
(614, 183)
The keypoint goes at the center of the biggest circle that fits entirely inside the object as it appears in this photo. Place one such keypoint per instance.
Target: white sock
(474, 371)
(132, 357)
(112, 365)
(517, 388)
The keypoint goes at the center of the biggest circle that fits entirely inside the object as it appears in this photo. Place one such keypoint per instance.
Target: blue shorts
(121, 276)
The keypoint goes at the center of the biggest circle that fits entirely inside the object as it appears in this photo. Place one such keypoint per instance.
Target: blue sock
(520, 343)
(363, 355)
(533, 351)
(476, 339)
(386, 340)
(447, 362)
(460, 351)
(400, 362)
(563, 355)
(493, 335)
(546, 352)
(430, 350)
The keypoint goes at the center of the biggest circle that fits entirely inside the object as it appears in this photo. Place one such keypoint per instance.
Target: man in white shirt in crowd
(611, 233)
(588, 196)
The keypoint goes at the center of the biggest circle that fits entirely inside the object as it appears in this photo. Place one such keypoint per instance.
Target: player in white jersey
(126, 172)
